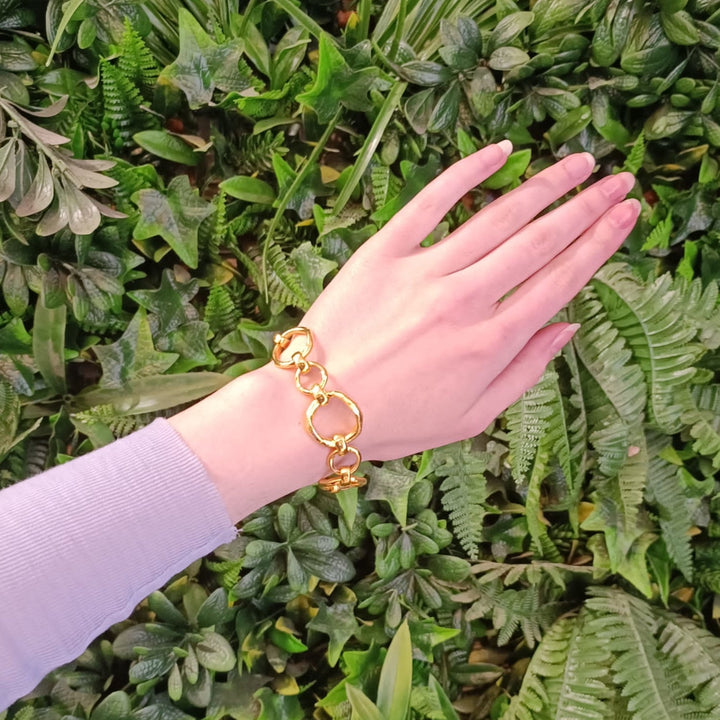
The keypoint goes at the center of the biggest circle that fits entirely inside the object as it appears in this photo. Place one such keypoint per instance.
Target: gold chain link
(343, 476)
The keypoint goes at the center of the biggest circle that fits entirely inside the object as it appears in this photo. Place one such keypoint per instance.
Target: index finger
(404, 232)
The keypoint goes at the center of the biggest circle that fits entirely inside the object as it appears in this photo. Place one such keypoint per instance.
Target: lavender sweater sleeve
(83, 543)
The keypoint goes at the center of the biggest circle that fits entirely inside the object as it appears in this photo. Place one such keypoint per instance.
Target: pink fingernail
(506, 146)
(564, 337)
(580, 165)
(625, 214)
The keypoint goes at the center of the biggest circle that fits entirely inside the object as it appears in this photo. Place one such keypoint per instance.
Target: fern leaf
(577, 435)
(634, 160)
(221, 313)
(659, 236)
(697, 655)
(650, 320)
(284, 287)
(136, 61)
(700, 308)
(572, 672)
(123, 115)
(702, 413)
(628, 626)
(254, 152)
(665, 491)
(527, 422)
(613, 388)
(464, 491)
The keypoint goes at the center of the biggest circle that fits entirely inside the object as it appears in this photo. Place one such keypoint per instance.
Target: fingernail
(618, 186)
(625, 214)
(580, 165)
(506, 146)
(564, 337)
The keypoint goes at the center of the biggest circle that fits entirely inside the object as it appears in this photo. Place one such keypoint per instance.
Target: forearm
(251, 438)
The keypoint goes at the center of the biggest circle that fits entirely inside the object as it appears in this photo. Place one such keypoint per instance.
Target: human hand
(427, 341)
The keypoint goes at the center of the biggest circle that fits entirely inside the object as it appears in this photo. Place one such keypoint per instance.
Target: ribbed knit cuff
(82, 544)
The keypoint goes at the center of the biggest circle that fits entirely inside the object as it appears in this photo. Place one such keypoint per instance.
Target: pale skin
(432, 343)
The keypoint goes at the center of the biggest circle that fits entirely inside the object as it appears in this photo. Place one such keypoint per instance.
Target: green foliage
(178, 182)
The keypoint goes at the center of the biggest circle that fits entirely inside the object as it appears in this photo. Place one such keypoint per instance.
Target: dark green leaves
(175, 216)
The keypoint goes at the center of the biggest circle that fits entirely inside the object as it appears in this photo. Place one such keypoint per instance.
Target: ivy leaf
(202, 65)
(337, 84)
(392, 483)
(339, 623)
(132, 355)
(311, 269)
(175, 216)
(190, 342)
(170, 302)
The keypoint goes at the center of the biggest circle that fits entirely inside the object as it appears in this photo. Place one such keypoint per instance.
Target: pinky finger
(522, 373)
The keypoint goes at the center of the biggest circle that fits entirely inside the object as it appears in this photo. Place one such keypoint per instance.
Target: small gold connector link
(343, 475)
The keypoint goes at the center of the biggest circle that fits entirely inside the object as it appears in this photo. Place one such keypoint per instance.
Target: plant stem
(282, 205)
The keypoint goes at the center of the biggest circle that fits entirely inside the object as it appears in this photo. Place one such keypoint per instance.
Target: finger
(418, 219)
(503, 217)
(521, 374)
(551, 288)
(538, 243)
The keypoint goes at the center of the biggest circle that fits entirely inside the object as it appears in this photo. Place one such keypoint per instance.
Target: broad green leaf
(289, 53)
(507, 58)
(362, 707)
(337, 84)
(132, 356)
(569, 126)
(428, 74)
(445, 113)
(509, 28)
(49, 344)
(202, 65)
(116, 706)
(679, 27)
(511, 172)
(396, 677)
(249, 189)
(166, 146)
(215, 653)
(174, 216)
(278, 707)
(152, 666)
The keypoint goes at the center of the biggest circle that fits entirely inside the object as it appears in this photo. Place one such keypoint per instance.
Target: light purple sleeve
(83, 543)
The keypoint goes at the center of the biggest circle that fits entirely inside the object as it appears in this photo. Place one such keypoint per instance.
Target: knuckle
(541, 240)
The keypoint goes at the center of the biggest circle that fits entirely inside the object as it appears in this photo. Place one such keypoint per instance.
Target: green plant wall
(178, 181)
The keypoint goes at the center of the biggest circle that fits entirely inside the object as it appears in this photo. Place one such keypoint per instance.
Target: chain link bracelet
(343, 476)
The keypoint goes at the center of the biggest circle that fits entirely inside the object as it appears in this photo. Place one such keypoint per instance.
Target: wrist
(250, 436)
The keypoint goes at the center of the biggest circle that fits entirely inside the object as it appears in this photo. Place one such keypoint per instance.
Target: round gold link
(282, 342)
(320, 385)
(344, 468)
(312, 409)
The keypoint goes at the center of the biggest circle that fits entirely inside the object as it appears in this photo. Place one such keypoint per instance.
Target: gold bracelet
(343, 477)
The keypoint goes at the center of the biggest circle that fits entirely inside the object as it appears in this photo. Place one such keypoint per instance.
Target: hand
(427, 341)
